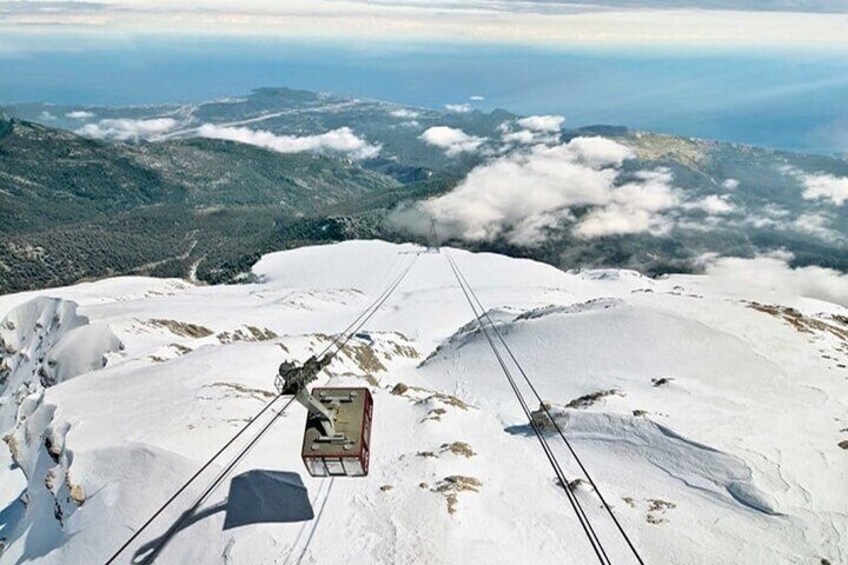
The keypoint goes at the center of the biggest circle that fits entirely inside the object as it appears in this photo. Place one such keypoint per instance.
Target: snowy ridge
(698, 409)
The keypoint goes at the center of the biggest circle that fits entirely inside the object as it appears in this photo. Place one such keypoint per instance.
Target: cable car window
(317, 467)
(352, 467)
(334, 467)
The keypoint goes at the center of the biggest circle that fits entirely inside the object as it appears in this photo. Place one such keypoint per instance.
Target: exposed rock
(458, 448)
(451, 486)
(657, 511)
(181, 349)
(249, 333)
(182, 329)
(435, 414)
(589, 399)
(802, 323)
(77, 495)
(399, 389)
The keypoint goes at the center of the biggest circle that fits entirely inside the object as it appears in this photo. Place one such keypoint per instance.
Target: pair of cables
(339, 342)
(492, 333)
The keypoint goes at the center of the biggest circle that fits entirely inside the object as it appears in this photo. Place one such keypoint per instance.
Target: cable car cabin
(347, 452)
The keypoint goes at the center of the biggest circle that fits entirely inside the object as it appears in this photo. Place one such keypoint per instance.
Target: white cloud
(600, 151)
(713, 205)
(521, 194)
(542, 123)
(527, 137)
(341, 140)
(523, 137)
(458, 108)
(817, 225)
(125, 129)
(633, 208)
(730, 184)
(535, 130)
(79, 115)
(45, 115)
(773, 272)
(827, 187)
(625, 23)
(768, 216)
(453, 141)
(617, 219)
(477, 98)
(404, 113)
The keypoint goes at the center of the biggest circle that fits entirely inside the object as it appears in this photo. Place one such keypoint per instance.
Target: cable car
(348, 451)
(337, 438)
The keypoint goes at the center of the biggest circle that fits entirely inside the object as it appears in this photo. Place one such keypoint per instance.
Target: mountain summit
(695, 405)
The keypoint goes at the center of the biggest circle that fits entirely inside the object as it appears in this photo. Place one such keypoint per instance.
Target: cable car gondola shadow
(256, 497)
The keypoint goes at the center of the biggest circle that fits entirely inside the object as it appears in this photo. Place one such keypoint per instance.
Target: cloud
(824, 186)
(521, 195)
(817, 225)
(404, 113)
(772, 271)
(511, 194)
(730, 184)
(542, 123)
(79, 115)
(699, 23)
(458, 108)
(341, 140)
(600, 151)
(477, 98)
(453, 141)
(633, 208)
(527, 137)
(125, 129)
(713, 205)
(547, 7)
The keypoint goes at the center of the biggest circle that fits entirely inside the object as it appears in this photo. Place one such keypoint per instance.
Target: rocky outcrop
(44, 342)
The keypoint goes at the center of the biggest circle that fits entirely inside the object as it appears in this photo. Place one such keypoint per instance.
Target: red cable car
(337, 439)
(347, 450)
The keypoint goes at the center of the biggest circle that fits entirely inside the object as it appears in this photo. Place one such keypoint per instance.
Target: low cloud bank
(520, 194)
(79, 115)
(818, 225)
(826, 187)
(454, 141)
(773, 271)
(532, 130)
(125, 129)
(541, 123)
(341, 140)
(580, 186)
(459, 108)
(404, 113)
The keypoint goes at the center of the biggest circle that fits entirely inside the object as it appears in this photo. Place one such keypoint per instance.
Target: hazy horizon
(782, 100)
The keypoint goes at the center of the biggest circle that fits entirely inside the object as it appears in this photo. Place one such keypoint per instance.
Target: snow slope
(710, 417)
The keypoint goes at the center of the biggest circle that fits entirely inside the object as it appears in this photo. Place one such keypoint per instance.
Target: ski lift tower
(337, 437)
(433, 238)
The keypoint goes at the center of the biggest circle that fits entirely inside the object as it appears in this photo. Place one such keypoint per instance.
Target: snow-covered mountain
(712, 418)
